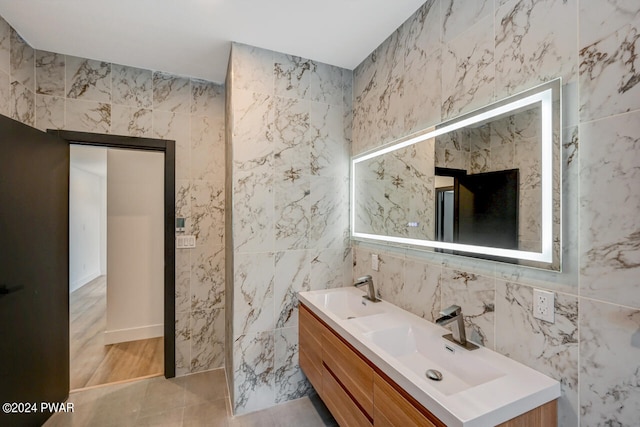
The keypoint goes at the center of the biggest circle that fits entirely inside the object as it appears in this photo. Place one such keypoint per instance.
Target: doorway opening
(120, 360)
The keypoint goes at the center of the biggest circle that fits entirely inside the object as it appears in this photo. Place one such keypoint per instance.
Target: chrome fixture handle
(371, 291)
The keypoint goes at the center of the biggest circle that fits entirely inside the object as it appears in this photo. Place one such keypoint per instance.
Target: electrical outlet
(375, 262)
(543, 305)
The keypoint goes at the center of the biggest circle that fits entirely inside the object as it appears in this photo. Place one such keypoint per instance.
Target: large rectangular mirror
(485, 184)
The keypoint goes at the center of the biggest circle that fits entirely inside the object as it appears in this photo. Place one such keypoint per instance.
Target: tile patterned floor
(195, 400)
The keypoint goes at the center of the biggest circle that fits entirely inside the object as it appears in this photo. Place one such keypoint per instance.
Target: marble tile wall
(450, 58)
(288, 159)
(50, 90)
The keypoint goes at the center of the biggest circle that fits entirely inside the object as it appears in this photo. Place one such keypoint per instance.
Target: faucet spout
(371, 291)
(453, 314)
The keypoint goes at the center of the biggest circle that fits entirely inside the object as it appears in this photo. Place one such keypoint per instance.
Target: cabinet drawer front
(354, 373)
(392, 409)
(343, 409)
(313, 373)
(310, 332)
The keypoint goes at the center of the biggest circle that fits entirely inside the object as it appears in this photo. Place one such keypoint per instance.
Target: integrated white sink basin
(419, 349)
(346, 304)
(478, 388)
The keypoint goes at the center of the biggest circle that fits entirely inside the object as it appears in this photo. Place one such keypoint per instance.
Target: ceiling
(193, 37)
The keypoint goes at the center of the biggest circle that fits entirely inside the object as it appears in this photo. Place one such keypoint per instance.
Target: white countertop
(505, 389)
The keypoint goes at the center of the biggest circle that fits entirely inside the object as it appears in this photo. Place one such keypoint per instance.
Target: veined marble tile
(459, 15)
(390, 277)
(5, 94)
(23, 106)
(609, 364)
(609, 73)
(468, 71)
(476, 295)
(609, 203)
(207, 98)
(292, 212)
(452, 150)
(329, 150)
(479, 150)
(50, 73)
(207, 339)
(22, 62)
(183, 202)
(422, 108)
(49, 112)
(378, 113)
(292, 275)
(535, 42)
(131, 121)
(207, 148)
(329, 212)
(529, 213)
(252, 69)
(550, 348)
(171, 93)
(347, 106)
(132, 86)
(5, 46)
(175, 126)
(183, 344)
(207, 212)
(302, 78)
(331, 268)
(253, 146)
(183, 277)
(420, 293)
(88, 79)
(253, 372)
(600, 18)
(290, 382)
(87, 116)
(253, 304)
(253, 212)
(207, 272)
(292, 135)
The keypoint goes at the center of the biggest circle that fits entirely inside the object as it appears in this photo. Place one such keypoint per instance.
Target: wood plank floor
(93, 363)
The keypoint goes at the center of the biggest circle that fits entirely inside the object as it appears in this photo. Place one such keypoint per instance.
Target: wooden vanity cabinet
(359, 394)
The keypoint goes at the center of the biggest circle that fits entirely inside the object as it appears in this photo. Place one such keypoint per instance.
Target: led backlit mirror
(485, 184)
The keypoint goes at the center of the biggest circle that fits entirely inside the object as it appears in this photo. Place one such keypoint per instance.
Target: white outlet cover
(375, 262)
(544, 305)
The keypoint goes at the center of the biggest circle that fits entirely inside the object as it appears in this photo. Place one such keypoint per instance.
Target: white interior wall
(84, 227)
(135, 245)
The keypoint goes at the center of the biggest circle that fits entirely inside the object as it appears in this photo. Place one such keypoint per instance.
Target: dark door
(487, 209)
(34, 272)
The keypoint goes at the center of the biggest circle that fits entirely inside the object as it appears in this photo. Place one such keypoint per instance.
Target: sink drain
(351, 317)
(434, 375)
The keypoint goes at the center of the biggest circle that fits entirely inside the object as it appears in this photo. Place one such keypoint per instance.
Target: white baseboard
(133, 334)
(83, 281)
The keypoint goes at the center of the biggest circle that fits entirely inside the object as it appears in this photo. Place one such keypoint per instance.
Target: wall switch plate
(185, 242)
(543, 305)
(375, 262)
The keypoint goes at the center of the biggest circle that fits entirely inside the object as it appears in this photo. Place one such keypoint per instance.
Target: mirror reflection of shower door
(445, 215)
(487, 209)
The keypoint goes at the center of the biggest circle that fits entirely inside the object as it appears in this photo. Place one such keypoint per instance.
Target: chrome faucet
(371, 291)
(453, 315)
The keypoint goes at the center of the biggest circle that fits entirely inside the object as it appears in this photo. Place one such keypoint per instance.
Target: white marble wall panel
(171, 93)
(468, 82)
(5, 46)
(22, 62)
(253, 212)
(207, 270)
(207, 99)
(609, 364)
(292, 275)
(50, 73)
(253, 371)
(329, 212)
(331, 268)
(5, 94)
(131, 121)
(252, 69)
(183, 280)
(535, 41)
(292, 134)
(290, 381)
(253, 304)
(132, 86)
(207, 212)
(87, 116)
(329, 155)
(609, 42)
(550, 348)
(475, 294)
(292, 212)
(88, 79)
(175, 126)
(301, 78)
(207, 148)
(420, 293)
(183, 343)
(207, 339)
(22, 104)
(459, 15)
(610, 237)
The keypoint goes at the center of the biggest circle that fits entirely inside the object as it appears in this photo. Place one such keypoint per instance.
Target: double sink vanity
(368, 361)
